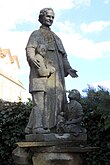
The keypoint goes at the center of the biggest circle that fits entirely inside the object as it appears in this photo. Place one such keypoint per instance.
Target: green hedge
(96, 106)
(13, 119)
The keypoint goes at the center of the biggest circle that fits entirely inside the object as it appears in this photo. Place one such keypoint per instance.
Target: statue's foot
(28, 130)
(40, 131)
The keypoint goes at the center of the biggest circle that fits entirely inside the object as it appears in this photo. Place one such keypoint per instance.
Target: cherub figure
(73, 116)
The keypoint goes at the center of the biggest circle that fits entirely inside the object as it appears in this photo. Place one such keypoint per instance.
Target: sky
(82, 25)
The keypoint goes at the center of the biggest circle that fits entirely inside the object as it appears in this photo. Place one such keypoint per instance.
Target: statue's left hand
(72, 73)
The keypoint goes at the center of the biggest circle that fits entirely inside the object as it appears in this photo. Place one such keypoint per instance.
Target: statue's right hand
(36, 63)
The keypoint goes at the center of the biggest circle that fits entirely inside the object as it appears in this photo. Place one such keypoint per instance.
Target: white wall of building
(11, 89)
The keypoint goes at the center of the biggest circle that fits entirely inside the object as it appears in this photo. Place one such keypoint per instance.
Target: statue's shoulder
(36, 32)
(56, 37)
(75, 105)
(78, 104)
(35, 35)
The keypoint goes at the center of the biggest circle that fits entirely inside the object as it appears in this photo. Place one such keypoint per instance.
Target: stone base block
(56, 159)
(53, 137)
(49, 153)
(20, 156)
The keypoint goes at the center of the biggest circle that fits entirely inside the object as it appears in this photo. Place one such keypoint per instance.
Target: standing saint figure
(47, 89)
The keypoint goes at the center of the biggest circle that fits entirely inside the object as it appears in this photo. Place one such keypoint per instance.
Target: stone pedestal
(56, 159)
(52, 150)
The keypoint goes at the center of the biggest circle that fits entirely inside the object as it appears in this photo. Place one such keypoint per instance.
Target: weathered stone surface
(20, 156)
(56, 159)
(49, 66)
(53, 137)
(50, 141)
(49, 153)
(70, 121)
(67, 146)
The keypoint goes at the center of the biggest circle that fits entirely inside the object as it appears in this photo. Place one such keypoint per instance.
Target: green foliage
(13, 119)
(96, 107)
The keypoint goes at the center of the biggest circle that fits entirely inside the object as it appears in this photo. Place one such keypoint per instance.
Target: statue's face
(74, 94)
(48, 18)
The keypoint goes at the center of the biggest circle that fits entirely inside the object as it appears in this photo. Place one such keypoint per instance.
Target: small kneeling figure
(70, 121)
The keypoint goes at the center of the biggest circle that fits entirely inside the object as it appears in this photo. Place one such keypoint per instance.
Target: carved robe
(54, 85)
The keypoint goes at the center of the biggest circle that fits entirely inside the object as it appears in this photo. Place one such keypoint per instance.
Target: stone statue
(70, 121)
(48, 66)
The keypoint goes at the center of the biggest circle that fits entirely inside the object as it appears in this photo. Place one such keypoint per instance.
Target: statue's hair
(74, 94)
(43, 12)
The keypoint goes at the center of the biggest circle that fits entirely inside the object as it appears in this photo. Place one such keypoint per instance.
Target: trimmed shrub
(13, 119)
(96, 107)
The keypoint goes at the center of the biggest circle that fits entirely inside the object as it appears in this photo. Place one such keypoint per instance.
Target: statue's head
(74, 94)
(46, 16)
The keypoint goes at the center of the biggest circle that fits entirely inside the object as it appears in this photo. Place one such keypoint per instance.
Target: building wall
(11, 89)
